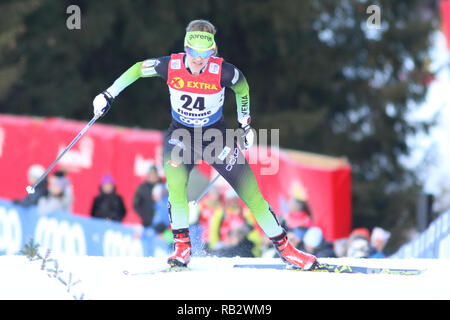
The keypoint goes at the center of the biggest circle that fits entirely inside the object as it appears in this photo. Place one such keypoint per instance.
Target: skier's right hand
(102, 102)
(248, 135)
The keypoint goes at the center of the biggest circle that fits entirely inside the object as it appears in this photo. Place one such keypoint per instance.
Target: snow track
(216, 279)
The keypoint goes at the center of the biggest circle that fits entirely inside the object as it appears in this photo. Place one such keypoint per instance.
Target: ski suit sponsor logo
(150, 63)
(232, 160)
(197, 122)
(214, 68)
(226, 150)
(148, 67)
(177, 83)
(199, 85)
(175, 64)
(173, 164)
(244, 104)
(236, 76)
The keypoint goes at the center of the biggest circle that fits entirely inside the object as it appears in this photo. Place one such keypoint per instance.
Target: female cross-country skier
(197, 79)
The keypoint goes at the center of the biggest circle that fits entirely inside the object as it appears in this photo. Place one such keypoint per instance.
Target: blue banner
(70, 234)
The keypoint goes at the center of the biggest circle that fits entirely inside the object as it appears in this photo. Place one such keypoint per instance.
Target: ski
(335, 268)
(164, 270)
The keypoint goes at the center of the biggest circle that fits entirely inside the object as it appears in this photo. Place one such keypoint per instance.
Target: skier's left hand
(248, 136)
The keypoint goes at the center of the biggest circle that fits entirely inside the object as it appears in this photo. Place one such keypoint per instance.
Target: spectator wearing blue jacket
(160, 197)
(378, 241)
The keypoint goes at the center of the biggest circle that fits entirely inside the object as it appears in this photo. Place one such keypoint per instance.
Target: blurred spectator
(34, 172)
(222, 221)
(296, 237)
(378, 241)
(59, 197)
(224, 217)
(361, 232)
(143, 202)
(160, 196)
(236, 244)
(299, 215)
(108, 204)
(268, 250)
(358, 243)
(340, 247)
(314, 243)
(256, 234)
(208, 206)
(61, 173)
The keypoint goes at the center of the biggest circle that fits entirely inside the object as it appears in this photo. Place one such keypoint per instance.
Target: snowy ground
(214, 279)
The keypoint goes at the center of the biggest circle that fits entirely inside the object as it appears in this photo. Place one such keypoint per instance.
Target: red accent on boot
(182, 254)
(290, 255)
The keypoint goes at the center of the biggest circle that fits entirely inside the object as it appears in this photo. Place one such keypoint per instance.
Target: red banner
(445, 19)
(326, 189)
(19, 144)
(135, 151)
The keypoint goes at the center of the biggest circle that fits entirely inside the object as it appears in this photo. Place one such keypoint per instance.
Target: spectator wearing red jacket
(298, 219)
(299, 214)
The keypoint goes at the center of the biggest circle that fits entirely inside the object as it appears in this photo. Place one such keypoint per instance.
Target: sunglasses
(196, 53)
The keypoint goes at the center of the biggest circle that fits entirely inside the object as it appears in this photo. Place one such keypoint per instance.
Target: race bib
(195, 100)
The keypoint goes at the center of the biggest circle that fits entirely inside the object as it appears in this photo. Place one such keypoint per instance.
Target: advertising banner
(68, 234)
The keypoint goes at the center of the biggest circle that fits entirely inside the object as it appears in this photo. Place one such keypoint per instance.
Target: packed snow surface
(214, 278)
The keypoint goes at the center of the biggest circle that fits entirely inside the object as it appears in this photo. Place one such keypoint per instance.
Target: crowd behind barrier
(124, 185)
(221, 225)
(228, 229)
(237, 234)
(127, 153)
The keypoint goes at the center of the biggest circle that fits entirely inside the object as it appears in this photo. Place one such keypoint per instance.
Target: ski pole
(195, 202)
(31, 189)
